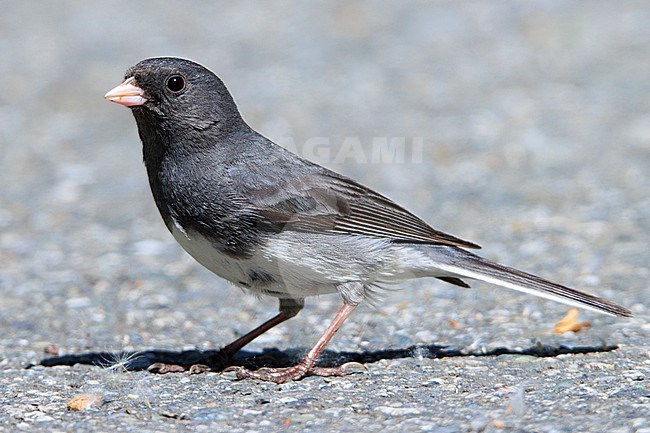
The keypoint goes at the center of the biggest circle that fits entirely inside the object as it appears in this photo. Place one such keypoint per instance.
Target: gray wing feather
(326, 202)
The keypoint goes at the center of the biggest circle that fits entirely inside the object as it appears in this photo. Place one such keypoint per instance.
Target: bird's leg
(288, 309)
(306, 367)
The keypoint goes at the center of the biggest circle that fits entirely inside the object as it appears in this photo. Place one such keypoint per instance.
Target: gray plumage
(245, 207)
(276, 224)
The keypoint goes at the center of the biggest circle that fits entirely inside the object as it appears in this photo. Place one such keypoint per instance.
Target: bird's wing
(326, 202)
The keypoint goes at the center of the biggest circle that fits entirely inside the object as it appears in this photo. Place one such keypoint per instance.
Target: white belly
(293, 275)
(233, 270)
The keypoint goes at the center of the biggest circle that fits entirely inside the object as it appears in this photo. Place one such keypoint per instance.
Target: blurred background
(533, 119)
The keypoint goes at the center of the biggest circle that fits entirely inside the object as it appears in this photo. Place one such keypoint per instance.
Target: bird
(275, 224)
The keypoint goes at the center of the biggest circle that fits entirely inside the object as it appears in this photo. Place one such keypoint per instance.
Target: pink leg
(288, 309)
(228, 351)
(306, 367)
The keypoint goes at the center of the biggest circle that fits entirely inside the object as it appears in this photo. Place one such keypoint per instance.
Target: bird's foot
(215, 362)
(296, 372)
(164, 368)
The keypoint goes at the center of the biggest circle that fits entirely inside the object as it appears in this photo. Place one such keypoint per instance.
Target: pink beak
(127, 94)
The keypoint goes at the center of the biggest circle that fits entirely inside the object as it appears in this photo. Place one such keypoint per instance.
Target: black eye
(175, 83)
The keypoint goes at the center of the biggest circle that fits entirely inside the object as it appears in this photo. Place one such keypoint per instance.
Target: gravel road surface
(522, 126)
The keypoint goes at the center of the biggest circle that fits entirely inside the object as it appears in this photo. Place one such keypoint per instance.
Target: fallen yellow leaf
(570, 323)
(83, 402)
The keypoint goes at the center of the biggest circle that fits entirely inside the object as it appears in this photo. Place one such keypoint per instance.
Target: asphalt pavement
(522, 126)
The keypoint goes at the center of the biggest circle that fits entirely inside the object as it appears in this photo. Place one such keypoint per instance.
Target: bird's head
(175, 94)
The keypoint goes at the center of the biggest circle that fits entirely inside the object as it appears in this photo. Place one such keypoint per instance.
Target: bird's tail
(468, 265)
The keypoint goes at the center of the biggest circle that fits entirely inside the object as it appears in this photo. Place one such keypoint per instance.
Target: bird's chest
(212, 257)
(195, 199)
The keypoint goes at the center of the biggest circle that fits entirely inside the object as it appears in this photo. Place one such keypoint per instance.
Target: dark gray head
(173, 95)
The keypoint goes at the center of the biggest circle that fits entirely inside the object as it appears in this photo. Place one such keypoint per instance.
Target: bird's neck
(163, 137)
(171, 156)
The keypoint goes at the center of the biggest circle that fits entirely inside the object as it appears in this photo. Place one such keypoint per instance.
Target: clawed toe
(275, 375)
(163, 368)
(199, 368)
(296, 372)
(341, 370)
(214, 362)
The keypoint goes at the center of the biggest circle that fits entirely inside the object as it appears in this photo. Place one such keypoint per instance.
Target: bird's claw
(296, 372)
(163, 368)
(199, 368)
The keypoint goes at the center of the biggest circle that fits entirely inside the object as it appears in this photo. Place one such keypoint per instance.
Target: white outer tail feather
(542, 294)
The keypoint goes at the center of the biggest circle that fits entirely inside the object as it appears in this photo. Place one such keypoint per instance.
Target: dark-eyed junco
(278, 225)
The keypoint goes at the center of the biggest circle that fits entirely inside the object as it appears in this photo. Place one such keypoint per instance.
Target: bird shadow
(272, 357)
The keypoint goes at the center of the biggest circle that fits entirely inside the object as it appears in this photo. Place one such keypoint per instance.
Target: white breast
(233, 270)
(300, 264)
